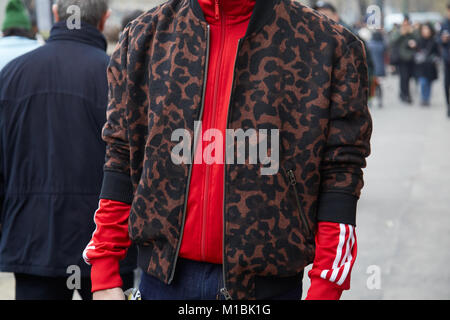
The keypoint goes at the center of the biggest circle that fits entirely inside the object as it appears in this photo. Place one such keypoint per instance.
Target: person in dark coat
(444, 39)
(53, 104)
(426, 61)
(378, 49)
(405, 44)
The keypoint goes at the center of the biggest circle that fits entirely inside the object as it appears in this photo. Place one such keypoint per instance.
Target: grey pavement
(404, 213)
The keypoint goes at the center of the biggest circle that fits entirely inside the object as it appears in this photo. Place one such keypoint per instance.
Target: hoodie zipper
(293, 183)
(208, 32)
(219, 15)
(224, 290)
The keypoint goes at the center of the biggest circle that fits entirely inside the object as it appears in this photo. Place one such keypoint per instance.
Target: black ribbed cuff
(337, 207)
(117, 187)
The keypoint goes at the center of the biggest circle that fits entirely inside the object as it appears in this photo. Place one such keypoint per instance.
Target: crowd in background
(413, 51)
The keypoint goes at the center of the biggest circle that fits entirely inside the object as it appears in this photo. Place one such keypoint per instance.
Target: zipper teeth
(213, 125)
(293, 181)
(224, 291)
(192, 157)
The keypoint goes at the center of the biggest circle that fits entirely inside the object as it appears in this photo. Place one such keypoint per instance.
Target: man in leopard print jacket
(220, 229)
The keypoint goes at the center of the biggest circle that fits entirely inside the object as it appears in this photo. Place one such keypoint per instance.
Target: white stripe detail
(338, 252)
(348, 246)
(90, 244)
(348, 262)
(323, 275)
(85, 257)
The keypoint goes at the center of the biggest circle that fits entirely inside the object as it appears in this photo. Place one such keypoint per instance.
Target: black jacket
(428, 67)
(52, 108)
(445, 46)
(404, 51)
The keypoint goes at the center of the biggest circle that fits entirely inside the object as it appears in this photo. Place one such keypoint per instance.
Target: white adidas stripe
(335, 267)
(323, 275)
(348, 260)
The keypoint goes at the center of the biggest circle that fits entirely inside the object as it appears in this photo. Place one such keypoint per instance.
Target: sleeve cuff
(117, 187)
(323, 290)
(105, 274)
(337, 207)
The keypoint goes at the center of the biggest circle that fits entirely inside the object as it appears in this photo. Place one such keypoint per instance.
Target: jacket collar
(233, 11)
(87, 34)
(262, 11)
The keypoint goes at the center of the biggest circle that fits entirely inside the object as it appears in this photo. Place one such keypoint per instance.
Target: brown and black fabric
(297, 72)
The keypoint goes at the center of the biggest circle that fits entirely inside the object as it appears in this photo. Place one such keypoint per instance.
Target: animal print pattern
(300, 73)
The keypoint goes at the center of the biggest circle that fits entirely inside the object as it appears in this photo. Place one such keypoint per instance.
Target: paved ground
(404, 213)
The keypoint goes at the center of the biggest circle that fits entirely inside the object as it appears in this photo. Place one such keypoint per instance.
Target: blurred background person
(52, 109)
(405, 44)
(393, 55)
(378, 49)
(18, 37)
(444, 40)
(426, 60)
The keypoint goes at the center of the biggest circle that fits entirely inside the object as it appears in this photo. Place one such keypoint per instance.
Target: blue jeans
(195, 281)
(425, 89)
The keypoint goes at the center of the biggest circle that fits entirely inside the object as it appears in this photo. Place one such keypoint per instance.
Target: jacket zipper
(293, 183)
(219, 14)
(192, 156)
(224, 290)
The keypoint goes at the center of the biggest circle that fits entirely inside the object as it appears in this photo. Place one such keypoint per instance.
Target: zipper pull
(217, 10)
(225, 293)
(292, 178)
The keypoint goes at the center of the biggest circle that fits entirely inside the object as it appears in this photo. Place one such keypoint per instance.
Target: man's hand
(109, 294)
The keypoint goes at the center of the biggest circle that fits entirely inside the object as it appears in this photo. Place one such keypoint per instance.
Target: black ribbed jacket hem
(117, 187)
(337, 207)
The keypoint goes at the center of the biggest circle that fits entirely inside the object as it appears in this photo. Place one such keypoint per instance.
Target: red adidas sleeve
(336, 251)
(109, 244)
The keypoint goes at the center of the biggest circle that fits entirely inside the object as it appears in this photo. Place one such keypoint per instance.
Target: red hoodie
(203, 231)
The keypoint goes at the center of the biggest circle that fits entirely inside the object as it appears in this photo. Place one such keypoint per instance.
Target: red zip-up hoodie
(203, 231)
